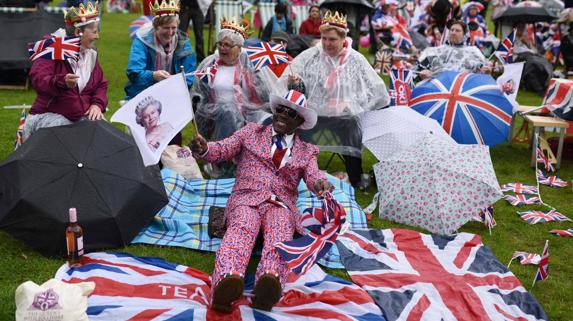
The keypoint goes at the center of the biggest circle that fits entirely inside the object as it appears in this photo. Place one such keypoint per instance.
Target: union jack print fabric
(470, 107)
(535, 217)
(543, 266)
(323, 224)
(563, 233)
(553, 181)
(505, 49)
(519, 188)
(264, 53)
(541, 158)
(415, 276)
(151, 289)
(401, 84)
(525, 258)
(55, 48)
(521, 199)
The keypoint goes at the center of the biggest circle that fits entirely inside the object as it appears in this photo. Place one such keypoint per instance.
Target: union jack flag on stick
(534, 217)
(564, 233)
(20, 131)
(55, 48)
(543, 267)
(264, 53)
(521, 199)
(519, 188)
(525, 258)
(505, 49)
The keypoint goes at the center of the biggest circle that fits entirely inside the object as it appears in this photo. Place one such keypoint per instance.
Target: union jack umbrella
(470, 107)
(553, 181)
(55, 48)
(264, 53)
(534, 217)
(505, 49)
(559, 98)
(138, 23)
(519, 188)
(525, 258)
(564, 233)
(541, 158)
(543, 266)
(521, 199)
(324, 225)
(401, 84)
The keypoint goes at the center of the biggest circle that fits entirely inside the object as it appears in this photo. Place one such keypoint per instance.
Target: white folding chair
(227, 9)
(266, 12)
(301, 15)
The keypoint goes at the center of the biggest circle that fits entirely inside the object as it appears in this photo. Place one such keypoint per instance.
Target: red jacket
(55, 97)
(310, 27)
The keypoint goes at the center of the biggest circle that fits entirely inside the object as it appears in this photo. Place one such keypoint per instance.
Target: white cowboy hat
(296, 101)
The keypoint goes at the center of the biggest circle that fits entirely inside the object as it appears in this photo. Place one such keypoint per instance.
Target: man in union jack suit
(69, 88)
(271, 161)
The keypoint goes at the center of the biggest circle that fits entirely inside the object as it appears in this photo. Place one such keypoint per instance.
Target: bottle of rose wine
(74, 240)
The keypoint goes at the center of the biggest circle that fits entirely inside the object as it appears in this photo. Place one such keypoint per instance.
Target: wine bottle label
(80, 241)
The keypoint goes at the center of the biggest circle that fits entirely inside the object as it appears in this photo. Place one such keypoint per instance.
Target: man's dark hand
(198, 145)
(322, 186)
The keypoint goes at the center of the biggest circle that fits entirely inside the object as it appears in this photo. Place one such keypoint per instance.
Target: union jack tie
(280, 151)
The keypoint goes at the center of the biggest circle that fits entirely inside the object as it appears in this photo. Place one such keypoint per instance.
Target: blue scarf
(279, 25)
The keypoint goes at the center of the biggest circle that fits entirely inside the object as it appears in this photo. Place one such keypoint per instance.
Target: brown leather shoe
(227, 290)
(267, 292)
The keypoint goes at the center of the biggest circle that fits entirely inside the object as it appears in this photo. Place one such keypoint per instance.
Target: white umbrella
(436, 185)
(390, 130)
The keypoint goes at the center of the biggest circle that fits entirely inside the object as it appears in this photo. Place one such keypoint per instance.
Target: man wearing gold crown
(69, 90)
(340, 85)
(231, 92)
(159, 50)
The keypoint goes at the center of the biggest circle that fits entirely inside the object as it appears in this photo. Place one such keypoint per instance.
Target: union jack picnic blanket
(519, 188)
(534, 217)
(553, 181)
(264, 53)
(416, 276)
(521, 199)
(55, 48)
(525, 258)
(184, 220)
(143, 288)
(564, 233)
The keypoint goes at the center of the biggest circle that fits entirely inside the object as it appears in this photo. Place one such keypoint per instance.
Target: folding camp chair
(301, 13)
(266, 12)
(227, 9)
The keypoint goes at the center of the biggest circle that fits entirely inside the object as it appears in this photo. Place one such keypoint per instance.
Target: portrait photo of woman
(147, 115)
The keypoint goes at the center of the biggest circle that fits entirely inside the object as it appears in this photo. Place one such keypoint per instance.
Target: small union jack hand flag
(505, 49)
(519, 188)
(55, 48)
(563, 233)
(264, 53)
(525, 258)
(543, 266)
(534, 217)
(20, 131)
(521, 199)
(541, 158)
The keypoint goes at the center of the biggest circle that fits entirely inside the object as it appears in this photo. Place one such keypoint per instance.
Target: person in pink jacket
(271, 161)
(68, 90)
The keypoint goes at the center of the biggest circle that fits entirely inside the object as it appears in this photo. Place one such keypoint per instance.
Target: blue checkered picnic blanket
(183, 221)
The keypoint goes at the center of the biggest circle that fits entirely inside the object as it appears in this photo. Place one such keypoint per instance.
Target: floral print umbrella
(436, 185)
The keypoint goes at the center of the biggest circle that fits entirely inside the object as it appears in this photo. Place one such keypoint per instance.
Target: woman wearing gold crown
(69, 90)
(159, 50)
(340, 85)
(231, 92)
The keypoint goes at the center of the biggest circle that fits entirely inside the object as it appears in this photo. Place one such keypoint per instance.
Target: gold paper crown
(81, 15)
(337, 20)
(165, 8)
(235, 26)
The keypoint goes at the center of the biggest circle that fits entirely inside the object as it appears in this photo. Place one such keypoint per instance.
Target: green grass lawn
(19, 263)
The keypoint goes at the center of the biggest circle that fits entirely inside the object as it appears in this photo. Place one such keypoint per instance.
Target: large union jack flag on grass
(470, 107)
(505, 49)
(55, 48)
(535, 217)
(414, 276)
(264, 53)
(151, 289)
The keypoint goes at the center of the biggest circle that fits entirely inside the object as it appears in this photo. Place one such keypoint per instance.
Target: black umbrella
(88, 165)
(526, 14)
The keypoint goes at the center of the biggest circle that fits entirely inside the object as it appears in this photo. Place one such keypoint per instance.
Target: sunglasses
(290, 112)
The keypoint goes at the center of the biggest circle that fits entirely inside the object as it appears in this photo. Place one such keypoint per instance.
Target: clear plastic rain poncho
(339, 89)
(230, 96)
(451, 57)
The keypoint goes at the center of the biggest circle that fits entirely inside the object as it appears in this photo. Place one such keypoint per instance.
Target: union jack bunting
(519, 188)
(55, 48)
(525, 258)
(521, 199)
(410, 276)
(20, 131)
(401, 84)
(534, 217)
(541, 158)
(324, 225)
(505, 49)
(264, 53)
(553, 181)
(144, 289)
(543, 266)
(563, 233)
